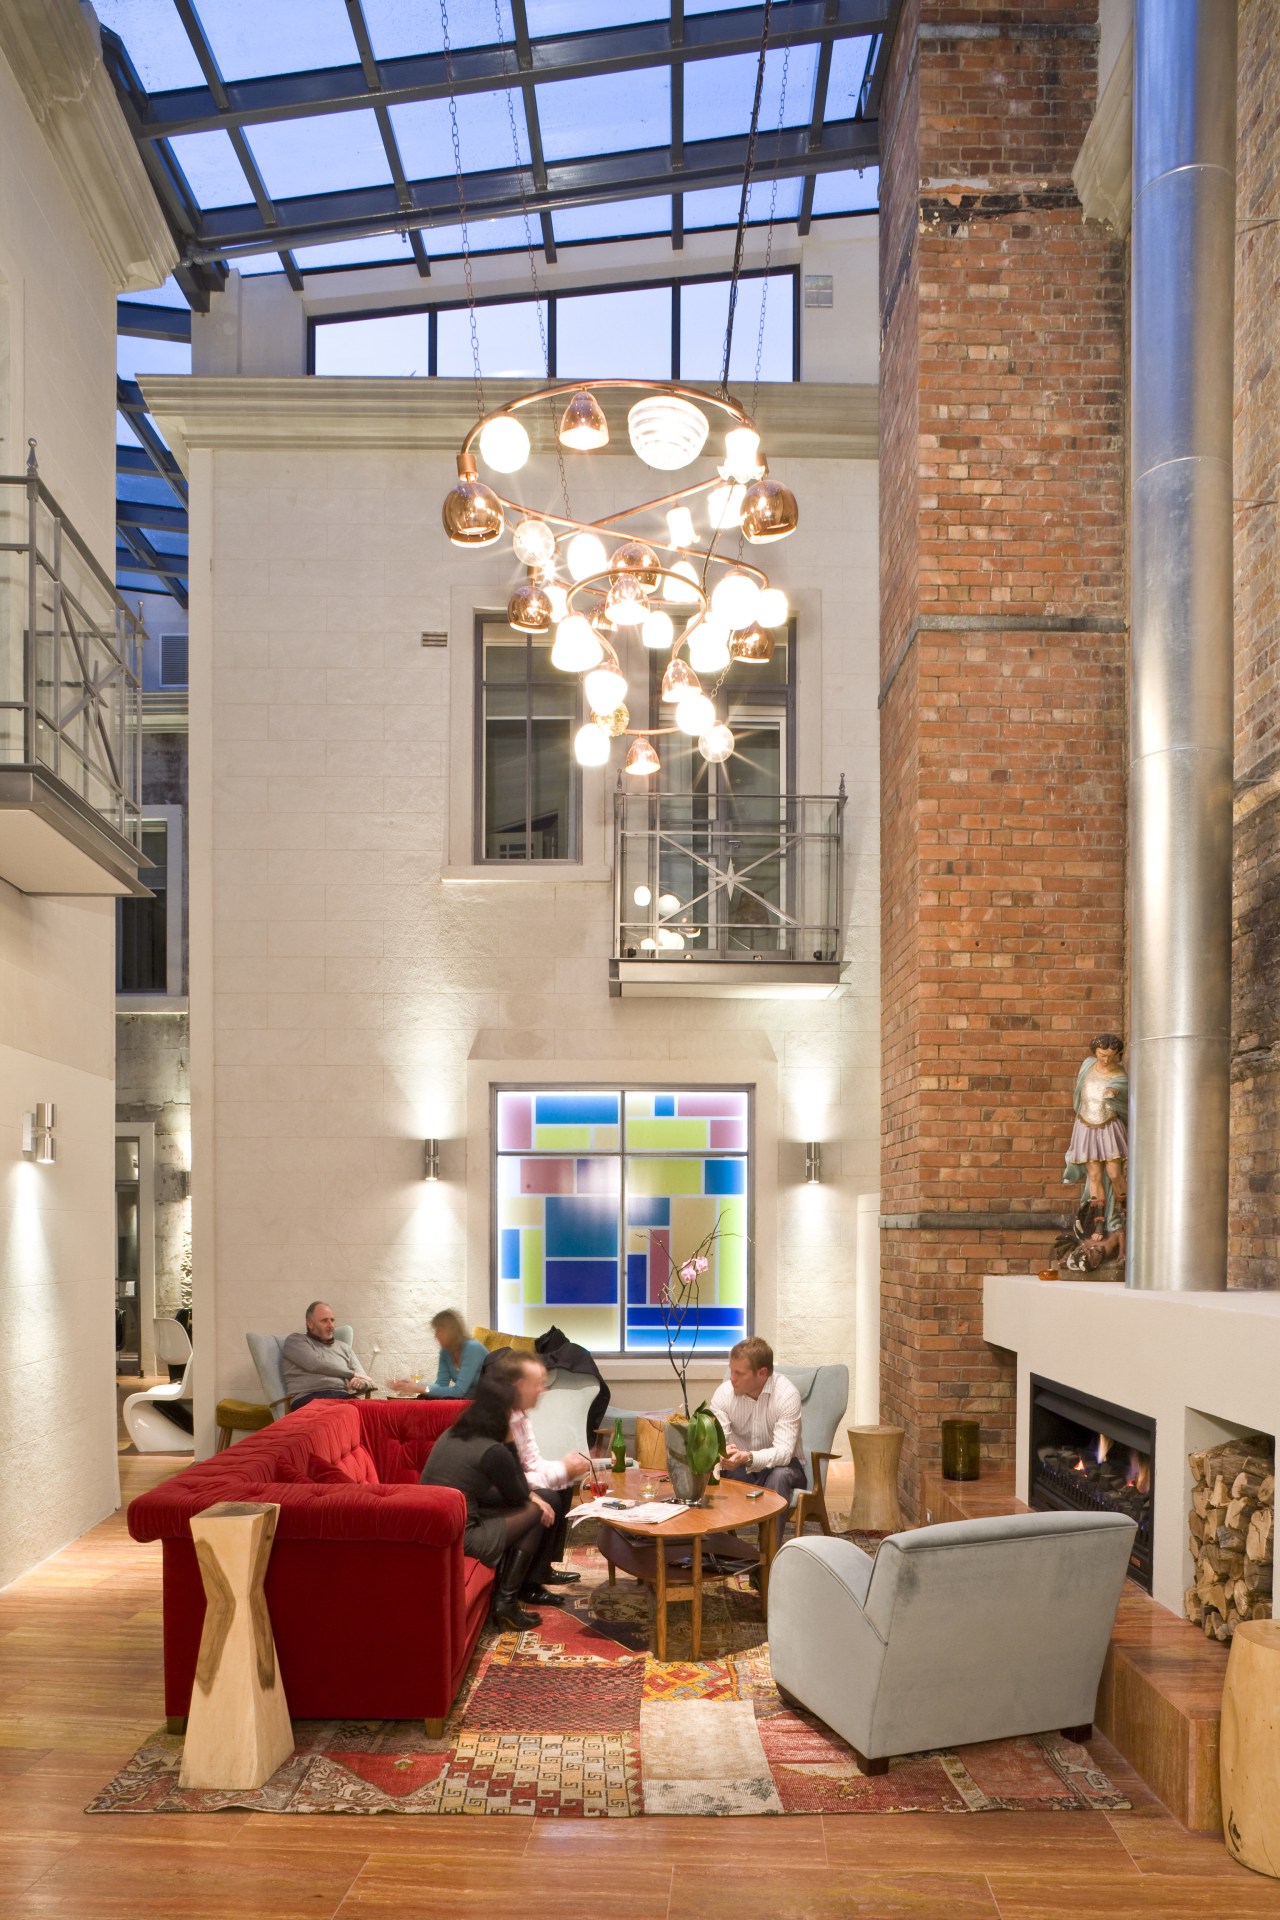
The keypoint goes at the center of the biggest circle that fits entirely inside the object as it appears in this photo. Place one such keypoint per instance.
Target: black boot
(507, 1612)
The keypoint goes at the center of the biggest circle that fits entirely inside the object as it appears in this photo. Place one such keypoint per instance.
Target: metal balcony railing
(70, 662)
(738, 878)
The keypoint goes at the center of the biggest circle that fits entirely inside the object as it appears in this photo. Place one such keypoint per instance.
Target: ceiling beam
(316, 219)
(821, 82)
(143, 321)
(390, 145)
(483, 69)
(143, 558)
(141, 513)
(134, 408)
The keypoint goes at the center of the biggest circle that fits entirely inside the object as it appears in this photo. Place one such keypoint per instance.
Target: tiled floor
(80, 1687)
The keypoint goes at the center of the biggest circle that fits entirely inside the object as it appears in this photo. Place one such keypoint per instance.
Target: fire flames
(1138, 1475)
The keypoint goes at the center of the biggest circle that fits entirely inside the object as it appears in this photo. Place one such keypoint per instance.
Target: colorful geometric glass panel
(599, 1192)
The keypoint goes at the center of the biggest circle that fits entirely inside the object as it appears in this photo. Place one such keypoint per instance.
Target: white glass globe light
(742, 455)
(681, 588)
(558, 598)
(680, 527)
(534, 543)
(667, 903)
(658, 631)
(586, 555)
(577, 647)
(772, 608)
(695, 714)
(716, 743)
(670, 940)
(605, 689)
(504, 444)
(667, 432)
(648, 946)
(724, 504)
(627, 603)
(734, 598)
(707, 645)
(591, 746)
(642, 896)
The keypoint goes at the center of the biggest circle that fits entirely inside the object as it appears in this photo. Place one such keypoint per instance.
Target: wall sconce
(38, 1142)
(813, 1163)
(431, 1160)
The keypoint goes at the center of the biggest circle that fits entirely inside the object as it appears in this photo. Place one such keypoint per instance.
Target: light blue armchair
(979, 1630)
(824, 1398)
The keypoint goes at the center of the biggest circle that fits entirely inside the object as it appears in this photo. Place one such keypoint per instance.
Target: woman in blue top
(460, 1359)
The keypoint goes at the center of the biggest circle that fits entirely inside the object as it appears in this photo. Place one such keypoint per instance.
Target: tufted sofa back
(358, 1443)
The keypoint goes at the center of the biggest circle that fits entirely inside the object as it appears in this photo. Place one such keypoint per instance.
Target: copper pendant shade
(769, 511)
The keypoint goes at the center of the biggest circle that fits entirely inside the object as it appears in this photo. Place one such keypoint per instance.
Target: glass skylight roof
(320, 188)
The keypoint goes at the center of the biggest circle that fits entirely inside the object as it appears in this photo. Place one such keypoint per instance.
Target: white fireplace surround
(1204, 1366)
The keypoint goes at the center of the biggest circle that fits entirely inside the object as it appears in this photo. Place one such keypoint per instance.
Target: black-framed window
(653, 329)
(528, 784)
(146, 935)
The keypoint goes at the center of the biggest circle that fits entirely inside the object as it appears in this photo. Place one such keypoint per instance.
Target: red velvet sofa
(374, 1605)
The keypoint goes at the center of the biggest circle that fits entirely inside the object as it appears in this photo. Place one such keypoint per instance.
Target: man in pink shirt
(550, 1481)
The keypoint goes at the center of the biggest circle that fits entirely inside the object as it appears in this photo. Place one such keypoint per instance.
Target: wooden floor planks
(80, 1688)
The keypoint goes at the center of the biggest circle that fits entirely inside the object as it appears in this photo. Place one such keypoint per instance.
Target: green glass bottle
(618, 1449)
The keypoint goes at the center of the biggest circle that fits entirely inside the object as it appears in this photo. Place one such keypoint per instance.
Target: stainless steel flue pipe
(1181, 675)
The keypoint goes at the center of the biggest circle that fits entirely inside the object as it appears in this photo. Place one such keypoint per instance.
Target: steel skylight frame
(209, 238)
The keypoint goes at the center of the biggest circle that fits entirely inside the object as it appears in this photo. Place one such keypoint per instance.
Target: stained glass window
(598, 1193)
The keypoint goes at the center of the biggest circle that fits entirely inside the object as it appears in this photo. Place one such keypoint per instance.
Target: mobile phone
(755, 1493)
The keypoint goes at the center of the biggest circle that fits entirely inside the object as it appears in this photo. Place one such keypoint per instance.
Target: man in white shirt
(760, 1413)
(550, 1481)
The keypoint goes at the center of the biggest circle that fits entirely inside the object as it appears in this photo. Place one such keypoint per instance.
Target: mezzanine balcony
(70, 707)
(728, 895)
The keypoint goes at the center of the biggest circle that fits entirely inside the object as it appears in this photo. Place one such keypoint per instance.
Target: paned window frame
(479, 751)
(173, 995)
(671, 282)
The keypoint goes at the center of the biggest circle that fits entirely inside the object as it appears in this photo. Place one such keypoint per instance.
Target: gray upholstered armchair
(974, 1631)
(824, 1396)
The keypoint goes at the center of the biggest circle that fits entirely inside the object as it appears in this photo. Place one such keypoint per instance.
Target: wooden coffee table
(641, 1549)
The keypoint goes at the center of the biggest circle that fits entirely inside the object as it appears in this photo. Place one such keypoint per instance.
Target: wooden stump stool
(238, 1731)
(876, 1452)
(1249, 1763)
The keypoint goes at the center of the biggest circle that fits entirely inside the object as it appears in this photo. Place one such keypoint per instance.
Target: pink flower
(689, 1272)
(701, 1263)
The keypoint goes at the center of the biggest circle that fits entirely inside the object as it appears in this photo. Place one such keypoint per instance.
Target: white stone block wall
(356, 971)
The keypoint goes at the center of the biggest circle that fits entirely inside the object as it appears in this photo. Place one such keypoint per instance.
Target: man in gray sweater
(315, 1365)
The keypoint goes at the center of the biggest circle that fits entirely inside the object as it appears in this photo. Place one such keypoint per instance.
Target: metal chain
(747, 172)
(768, 243)
(533, 256)
(462, 206)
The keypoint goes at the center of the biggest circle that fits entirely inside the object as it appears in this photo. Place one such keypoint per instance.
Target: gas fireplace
(1089, 1456)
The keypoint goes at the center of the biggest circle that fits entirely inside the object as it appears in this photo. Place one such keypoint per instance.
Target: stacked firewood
(1233, 1507)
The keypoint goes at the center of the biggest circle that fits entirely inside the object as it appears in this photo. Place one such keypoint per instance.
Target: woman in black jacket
(504, 1521)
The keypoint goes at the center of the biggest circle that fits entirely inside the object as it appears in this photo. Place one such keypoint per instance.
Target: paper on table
(647, 1512)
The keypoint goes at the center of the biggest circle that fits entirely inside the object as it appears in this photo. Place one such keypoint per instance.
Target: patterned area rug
(578, 1720)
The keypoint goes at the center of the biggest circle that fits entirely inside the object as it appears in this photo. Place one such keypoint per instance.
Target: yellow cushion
(242, 1416)
(492, 1339)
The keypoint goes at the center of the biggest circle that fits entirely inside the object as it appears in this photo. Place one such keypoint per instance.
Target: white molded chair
(976, 1630)
(268, 1350)
(172, 1344)
(145, 1421)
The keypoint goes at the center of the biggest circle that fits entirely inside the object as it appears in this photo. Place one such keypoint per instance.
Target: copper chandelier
(619, 582)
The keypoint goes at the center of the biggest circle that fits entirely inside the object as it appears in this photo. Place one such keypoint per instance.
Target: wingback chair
(268, 1350)
(978, 1630)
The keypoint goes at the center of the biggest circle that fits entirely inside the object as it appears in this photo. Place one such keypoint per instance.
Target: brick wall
(1003, 749)
(1254, 1246)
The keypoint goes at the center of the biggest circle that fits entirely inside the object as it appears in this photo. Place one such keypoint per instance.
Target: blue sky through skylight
(280, 36)
(156, 41)
(392, 343)
(214, 175)
(605, 113)
(844, 84)
(484, 134)
(135, 355)
(320, 155)
(576, 16)
(613, 218)
(399, 28)
(355, 253)
(718, 93)
(847, 192)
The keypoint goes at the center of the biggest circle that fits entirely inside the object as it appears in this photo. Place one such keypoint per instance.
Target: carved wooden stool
(1249, 1754)
(876, 1452)
(238, 1730)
